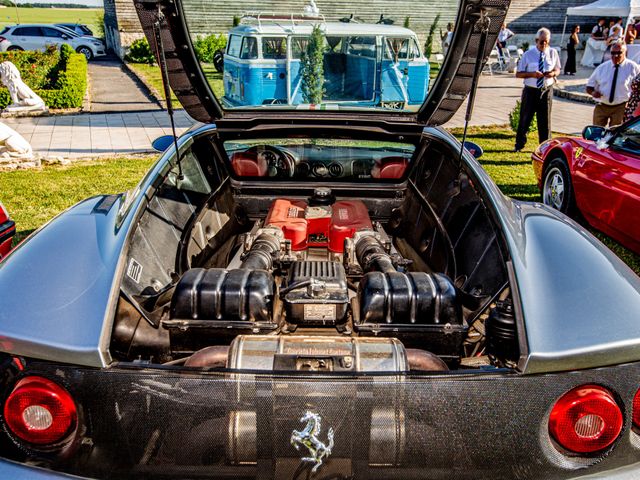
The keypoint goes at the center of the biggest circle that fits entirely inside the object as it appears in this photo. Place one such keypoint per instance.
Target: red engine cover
(318, 226)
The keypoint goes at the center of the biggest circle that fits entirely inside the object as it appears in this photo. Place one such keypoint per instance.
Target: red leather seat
(390, 168)
(249, 165)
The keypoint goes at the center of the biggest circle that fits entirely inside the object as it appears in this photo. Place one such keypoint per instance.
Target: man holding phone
(610, 85)
(539, 68)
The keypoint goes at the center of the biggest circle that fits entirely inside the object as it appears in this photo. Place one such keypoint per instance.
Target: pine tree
(312, 66)
(428, 44)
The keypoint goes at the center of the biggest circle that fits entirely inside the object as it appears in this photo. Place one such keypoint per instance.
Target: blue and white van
(364, 64)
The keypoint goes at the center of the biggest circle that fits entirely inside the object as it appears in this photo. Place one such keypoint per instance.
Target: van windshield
(333, 56)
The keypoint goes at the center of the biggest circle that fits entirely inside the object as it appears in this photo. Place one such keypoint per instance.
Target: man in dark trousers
(610, 85)
(539, 68)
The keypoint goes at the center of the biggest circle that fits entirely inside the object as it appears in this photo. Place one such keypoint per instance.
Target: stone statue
(12, 144)
(22, 97)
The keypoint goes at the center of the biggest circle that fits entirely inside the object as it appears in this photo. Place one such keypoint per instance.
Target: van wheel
(86, 51)
(13, 48)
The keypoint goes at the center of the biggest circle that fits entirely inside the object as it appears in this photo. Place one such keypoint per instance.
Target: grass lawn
(87, 16)
(34, 196)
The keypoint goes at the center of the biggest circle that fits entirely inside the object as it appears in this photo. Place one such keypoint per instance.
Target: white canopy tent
(627, 9)
(607, 8)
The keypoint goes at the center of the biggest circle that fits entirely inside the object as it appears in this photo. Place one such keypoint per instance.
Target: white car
(38, 37)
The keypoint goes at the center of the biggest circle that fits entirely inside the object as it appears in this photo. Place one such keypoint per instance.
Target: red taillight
(636, 410)
(39, 411)
(586, 419)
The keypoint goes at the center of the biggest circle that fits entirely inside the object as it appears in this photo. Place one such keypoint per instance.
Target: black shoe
(516, 150)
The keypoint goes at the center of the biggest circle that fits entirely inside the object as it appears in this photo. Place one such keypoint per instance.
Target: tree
(407, 22)
(428, 44)
(312, 68)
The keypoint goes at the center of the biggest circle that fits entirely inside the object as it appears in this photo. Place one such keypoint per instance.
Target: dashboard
(308, 161)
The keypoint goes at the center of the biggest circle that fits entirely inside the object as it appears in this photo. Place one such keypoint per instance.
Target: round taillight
(586, 419)
(40, 411)
(636, 410)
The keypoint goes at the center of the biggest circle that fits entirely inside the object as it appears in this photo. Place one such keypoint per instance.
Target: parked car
(298, 290)
(78, 28)
(7, 231)
(596, 177)
(38, 37)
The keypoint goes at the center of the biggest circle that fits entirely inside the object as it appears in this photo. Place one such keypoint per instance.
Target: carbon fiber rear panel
(165, 424)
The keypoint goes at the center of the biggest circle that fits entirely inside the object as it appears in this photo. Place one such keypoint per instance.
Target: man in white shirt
(610, 85)
(539, 68)
(503, 35)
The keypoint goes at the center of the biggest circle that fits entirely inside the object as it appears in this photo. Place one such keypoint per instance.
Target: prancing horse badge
(308, 437)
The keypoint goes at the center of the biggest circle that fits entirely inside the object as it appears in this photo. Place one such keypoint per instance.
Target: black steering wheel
(280, 164)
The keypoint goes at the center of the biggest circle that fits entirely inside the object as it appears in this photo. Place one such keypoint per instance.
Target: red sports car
(596, 176)
(7, 231)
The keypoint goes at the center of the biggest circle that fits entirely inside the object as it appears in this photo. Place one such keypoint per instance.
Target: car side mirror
(593, 132)
(160, 144)
(474, 149)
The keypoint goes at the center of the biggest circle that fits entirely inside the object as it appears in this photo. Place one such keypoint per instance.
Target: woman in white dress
(596, 45)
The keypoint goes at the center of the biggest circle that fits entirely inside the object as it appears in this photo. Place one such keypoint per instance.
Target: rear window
(4, 30)
(339, 56)
(317, 159)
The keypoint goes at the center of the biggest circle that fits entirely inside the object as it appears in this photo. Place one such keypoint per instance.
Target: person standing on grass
(539, 68)
(610, 85)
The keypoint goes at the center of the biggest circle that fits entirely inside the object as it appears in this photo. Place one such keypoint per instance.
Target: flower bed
(58, 77)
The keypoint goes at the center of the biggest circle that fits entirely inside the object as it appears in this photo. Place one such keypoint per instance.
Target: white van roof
(289, 27)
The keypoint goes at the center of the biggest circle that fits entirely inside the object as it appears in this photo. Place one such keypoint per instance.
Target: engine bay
(334, 280)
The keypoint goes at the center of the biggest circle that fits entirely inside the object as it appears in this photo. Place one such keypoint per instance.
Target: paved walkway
(114, 90)
(497, 95)
(95, 135)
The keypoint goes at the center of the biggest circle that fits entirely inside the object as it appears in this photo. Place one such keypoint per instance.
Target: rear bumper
(166, 423)
(16, 471)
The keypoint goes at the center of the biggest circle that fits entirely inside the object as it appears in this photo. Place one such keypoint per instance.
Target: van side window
(249, 48)
(298, 46)
(400, 49)
(274, 47)
(362, 46)
(233, 50)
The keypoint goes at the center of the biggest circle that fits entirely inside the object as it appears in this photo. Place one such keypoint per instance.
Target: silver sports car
(324, 287)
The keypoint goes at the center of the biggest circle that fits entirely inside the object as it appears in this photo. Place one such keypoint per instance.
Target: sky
(93, 3)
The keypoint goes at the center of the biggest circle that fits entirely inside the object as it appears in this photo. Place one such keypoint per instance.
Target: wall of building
(216, 16)
(527, 16)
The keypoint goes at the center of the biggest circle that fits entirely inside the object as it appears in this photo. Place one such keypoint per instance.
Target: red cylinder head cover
(318, 226)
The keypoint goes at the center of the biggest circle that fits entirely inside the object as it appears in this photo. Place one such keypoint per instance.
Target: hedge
(68, 81)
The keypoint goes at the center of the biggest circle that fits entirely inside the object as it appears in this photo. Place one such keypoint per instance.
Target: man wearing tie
(610, 85)
(538, 67)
